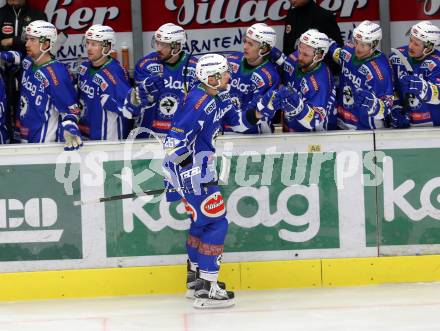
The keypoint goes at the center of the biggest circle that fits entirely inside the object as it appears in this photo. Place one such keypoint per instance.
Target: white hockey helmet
(171, 34)
(368, 32)
(43, 30)
(211, 65)
(317, 40)
(263, 34)
(104, 33)
(427, 32)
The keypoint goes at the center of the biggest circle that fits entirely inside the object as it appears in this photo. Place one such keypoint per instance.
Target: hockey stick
(133, 195)
(409, 70)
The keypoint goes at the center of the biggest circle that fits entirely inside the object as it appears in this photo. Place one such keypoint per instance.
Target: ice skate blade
(213, 304)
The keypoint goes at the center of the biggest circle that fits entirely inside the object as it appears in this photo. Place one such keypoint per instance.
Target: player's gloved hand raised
(152, 86)
(292, 103)
(72, 135)
(365, 101)
(276, 56)
(269, 103)
(11, 57)
(415, 85)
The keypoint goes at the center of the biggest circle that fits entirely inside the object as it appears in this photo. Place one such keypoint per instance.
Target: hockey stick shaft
(132, 195)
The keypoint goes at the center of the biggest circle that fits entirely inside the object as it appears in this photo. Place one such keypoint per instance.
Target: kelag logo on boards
(292, 207)
(37, 218)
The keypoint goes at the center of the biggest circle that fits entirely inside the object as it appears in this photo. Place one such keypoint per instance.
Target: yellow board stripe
(238, 276)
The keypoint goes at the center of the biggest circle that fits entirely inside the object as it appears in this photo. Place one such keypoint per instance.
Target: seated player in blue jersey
(49, 108)
(252, 74)
(105, 93)
(365, 94)
(166, 74)
(417, 83)
(190, 168)
(309, 94)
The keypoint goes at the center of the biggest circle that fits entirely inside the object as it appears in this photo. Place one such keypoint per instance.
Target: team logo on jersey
(213, 206)
(24, 105)
(168, 105)
(257, 80)
(8, 29)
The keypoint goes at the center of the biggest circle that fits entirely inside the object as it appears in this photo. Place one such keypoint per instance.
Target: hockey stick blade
(132, 195)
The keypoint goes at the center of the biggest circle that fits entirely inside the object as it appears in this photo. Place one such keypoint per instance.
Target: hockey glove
(276, 56)
(11, 57)
(152, 85)
(366, 102)
(399, 118)
(292, 103)
(417, 86)
(72, 135)
(269, 103)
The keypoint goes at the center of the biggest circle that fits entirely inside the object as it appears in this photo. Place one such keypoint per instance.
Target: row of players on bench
(374, 91)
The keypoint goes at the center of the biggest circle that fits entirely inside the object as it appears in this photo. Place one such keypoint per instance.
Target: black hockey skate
(191, 277)
(209, 295)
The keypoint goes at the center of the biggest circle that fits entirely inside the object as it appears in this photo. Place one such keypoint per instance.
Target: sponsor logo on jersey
(88, 90)
(170, 83)
(201, 100)
(53, 76)
(351, 77)
(162, 125)
(268, 75)
(100, 81)
(242, 87)
(213, 206)
(429, 64)
(41, 78)
(257, 80)
(289, 68)
(344, 55)
(377, 69)
(110, 76)
(210, 107)
(364, 70)
(8, 29)
(234, 67)
(82, 69)
(29, 85)
(27, 64)
(168, 105)
(314, 83)
(155, 68)
(304, 86)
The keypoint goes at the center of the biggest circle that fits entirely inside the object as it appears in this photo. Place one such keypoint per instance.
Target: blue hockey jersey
(318, 93)
(372, 74)
(247, 85)
(420, 113)
(178, 79)
(103, 92)
(46, 94)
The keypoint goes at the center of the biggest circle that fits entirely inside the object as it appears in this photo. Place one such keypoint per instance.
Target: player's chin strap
(315, 60)
(42, 53)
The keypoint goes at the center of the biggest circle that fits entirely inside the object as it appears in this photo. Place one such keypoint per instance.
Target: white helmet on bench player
(211, 65)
